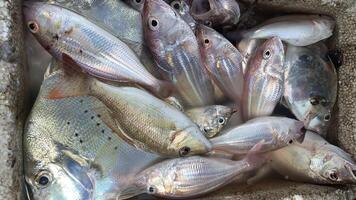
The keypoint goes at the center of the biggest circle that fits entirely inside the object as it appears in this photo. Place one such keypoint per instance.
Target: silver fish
(191, 176)
(73, 151)
(223, 61)
(247, 48)
(175, 49)
(276, 132)
(182, 7)
(216, 13)
(263, 86)
(210, 119)
(314, 161)
(80, 43)
(310, 86)
(298, 30)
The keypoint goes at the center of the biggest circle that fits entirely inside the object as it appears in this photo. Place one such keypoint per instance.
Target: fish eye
(290, 142)
(184, 151)
(221, 120)
(314, 101)
(138, 1)
(333, 176)
(151, 190)
(303, 129)
(43, 179)
(175, 5)
(33, 26)
(153, 23)
(323, 101)
(205, 130)
(327, 117)
(267, 54)
(208, 23)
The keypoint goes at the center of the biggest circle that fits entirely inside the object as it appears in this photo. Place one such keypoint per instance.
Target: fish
(191, 176)
(210, 119)
(297, 30)
(247, 48)
(175, 102)
(223, 62)
(263, 87)
(143, 120)
(85, 46)
(314, 161)
(276, 132)
(176, 51)
(183, 8)
(72, 149)
(216, 13)
(310, 87)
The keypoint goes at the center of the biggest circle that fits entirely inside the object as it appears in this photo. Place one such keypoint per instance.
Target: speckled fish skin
(175, 49)
(298, 30)
(80, 43)
(263, 86)
(310, 86)
(190, 177)
(277, 132)
(150, 123)
(223, 61)
(72, 152)
(210, 119)
(247, 47)
(314, 161)
(216, 13)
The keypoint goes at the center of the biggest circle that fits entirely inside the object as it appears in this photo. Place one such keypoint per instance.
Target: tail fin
(163, 89)
(254, 157)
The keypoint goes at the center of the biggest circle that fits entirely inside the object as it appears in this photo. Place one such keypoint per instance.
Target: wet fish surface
(247, 48)
(310, 86)
(263, 86)
(175, 49)
(80, 43)
(275, 132)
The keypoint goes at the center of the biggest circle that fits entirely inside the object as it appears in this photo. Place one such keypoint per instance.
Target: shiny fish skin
(175, 49)
(263, 86)
(298, 30)
(210, 119)
(310, 86)
(314, 161)
(276, 132)
(247, 47)
(80, 43)
(223, 61)
(70, 141)
(182, 7)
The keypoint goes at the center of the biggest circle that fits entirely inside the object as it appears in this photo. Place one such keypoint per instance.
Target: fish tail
(163, 89)
(254, 158)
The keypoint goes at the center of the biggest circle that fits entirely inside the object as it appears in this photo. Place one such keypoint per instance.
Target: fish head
(136, 4)
(333, 168)
(216, 117)
(289, 131)
(189, 141)
(207, 38)
(318, 118)
(182, 7)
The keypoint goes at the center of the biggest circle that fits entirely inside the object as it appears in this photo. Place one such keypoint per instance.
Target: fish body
(223, 61)
(314, 161)
(247, 48)
(276, 132)
(80, 43)
(175, 49)
(210, 119)
(263, 87)
(72, 150)
(298, 30)
(310, 86)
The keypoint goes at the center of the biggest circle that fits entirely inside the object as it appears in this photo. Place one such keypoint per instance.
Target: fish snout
(351, 168)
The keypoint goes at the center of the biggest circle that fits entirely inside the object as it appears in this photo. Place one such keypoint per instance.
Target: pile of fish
(170, 107)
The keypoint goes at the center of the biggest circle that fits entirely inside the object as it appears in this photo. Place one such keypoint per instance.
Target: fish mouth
(301, 137)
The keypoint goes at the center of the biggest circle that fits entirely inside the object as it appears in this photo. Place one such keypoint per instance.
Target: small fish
(210, 119)
(182, 7)
(247, 47)
(175, 49)
(81, 44)
(73, 151)
(216, 13)
(263, 86)
(143, 120)
(192, 176)
(298, 30)
(223, 61)
(310, 86)
(276, 132)
(314, 161)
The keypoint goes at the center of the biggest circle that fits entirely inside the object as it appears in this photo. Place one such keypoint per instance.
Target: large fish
(223, 61)
(80, 43)
(72, 149)
(210, 119)
(310, 86)
(314, 161)
(298, 30)
(192, 176)
(144, 121)
(263, 86)
(175, 49)
(275, 132)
